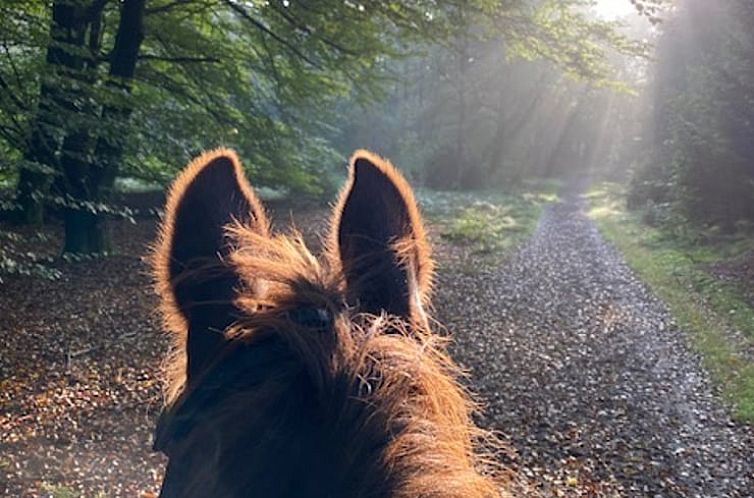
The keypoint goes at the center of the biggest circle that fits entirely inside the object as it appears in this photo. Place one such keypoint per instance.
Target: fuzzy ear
(380, 240)
(196, 283)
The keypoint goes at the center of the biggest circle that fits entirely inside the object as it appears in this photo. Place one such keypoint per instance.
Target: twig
(245, 14)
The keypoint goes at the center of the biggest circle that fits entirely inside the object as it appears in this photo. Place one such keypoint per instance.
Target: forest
(464, 97)
(585, 169)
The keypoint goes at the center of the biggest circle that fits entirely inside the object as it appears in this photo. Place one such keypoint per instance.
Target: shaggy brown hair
(315, 377)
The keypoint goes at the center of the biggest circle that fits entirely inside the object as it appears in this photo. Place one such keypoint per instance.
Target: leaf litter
(579, 367)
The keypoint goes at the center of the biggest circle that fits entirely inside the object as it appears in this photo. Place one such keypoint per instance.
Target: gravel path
(584, 372)
(581, 369)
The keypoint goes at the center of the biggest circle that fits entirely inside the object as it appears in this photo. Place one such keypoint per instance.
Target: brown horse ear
(379, 238)
(196, 283)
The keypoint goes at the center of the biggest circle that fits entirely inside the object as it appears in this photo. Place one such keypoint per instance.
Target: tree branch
(168, 6)
(180, 90)
(12, 64)
(178, 59)
(13, 137)
(245, 15)
(306, 29)
(7, 90)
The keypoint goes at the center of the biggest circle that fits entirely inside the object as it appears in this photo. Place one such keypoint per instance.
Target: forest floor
(579, 366)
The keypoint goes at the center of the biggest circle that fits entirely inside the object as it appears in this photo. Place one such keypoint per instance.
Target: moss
(58, 491)
(488, 222)
(704, 307)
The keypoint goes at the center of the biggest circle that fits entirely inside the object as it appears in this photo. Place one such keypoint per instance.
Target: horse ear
(196, 283)
(379, 238)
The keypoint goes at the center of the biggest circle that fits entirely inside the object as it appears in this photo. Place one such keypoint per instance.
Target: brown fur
(417, 249)
(160, 254)
(374, 378)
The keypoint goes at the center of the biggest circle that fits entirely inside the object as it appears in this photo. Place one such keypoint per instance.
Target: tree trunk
(34, 183)
(109, 149)
(67, 33)
(86, 232)
(463, 56)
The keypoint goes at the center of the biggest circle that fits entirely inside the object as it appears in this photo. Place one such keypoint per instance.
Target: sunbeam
(613, 9)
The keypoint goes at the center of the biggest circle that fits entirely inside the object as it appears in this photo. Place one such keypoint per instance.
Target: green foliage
(576, 42)
(487, 222)
(699, 165)
(95, 89)
(706, 308)
(18, 258)
(488, 226)
(58, 491)
(261, 77)
(532, 90)
(48, 490)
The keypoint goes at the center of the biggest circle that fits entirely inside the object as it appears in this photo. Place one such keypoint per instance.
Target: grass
(58, 491)
(487, 222)
(48, 490)
(705, 307)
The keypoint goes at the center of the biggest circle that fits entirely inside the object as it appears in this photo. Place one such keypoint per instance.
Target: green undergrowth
(58, 491)
(48, 490)
(487, 222)
(672, 262)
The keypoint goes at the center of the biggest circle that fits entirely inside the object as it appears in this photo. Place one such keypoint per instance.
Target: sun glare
(613, 9)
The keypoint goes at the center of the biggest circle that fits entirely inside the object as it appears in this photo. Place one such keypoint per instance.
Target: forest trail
(584, 371)
(577, 363)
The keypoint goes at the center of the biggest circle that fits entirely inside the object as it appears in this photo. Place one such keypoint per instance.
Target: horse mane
(385, 389)
(402, 379)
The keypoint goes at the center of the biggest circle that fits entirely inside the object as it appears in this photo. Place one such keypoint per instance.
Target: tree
(700, 164)
(264, 78)
(90, 180)
(473, 104)
(256, 71)
(65, 61)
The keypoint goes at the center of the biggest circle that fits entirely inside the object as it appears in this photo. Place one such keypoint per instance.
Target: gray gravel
(585, 373)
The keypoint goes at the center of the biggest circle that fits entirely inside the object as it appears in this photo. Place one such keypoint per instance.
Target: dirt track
(585, 372)
(580, 366)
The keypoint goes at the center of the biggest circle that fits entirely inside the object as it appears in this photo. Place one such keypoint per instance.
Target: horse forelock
(387, 387)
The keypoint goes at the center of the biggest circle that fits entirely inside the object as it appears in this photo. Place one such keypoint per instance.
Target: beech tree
(97, 89)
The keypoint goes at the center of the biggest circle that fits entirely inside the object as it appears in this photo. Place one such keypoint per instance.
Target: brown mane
(385, 388)
(439, 450)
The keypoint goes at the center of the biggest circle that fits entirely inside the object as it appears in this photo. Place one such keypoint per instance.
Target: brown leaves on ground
(80, 369)
(79, 377)
(577, 364)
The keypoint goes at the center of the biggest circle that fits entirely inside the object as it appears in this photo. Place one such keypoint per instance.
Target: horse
(295, 375)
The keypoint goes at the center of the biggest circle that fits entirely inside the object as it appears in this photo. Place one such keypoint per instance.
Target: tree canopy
(96, 89)
(698, 161)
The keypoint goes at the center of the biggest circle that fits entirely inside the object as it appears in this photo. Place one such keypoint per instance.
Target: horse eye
(312, 317)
